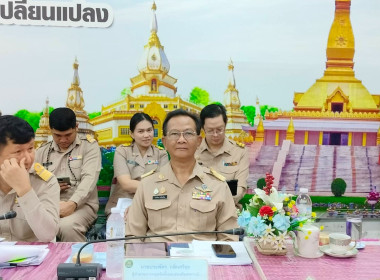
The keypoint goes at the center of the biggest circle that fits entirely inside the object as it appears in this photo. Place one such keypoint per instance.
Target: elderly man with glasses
(183, 196)
(226, 156)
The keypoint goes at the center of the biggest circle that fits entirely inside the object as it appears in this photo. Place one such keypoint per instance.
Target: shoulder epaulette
(42, 172)
(217, 175)
(241, 145)
(159, 147)
(148, 173)
(90, 138)
(44, 144)
(126, 145)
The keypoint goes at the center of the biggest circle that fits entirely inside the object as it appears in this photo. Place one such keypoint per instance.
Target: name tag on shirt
(233, 163)
(75, 157)
(157, 197)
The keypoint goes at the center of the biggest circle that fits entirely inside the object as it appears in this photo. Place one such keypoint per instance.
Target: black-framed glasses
(217, 131)
(187, 134)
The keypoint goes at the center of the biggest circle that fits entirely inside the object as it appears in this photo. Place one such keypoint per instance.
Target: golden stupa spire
(290, 131)
(44, 121)
(75, 99)
(260, 132)
(341, 43)
(153, 39)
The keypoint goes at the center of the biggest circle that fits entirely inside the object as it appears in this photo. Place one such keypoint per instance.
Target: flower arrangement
(270, 215)
(373, 197)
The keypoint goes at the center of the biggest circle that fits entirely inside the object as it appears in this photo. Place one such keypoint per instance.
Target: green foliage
(261, 183)
(106, 173)
(217, 103)
(250, 113)
(199, 96)
(32, 118)
(338, 187)
(94, 114)
(270, 109)
(125, 92)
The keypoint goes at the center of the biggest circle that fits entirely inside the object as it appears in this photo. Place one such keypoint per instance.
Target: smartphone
(223, 251)
(64, 180)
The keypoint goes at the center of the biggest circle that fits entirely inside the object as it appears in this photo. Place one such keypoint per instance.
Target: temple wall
(313, 138)
(357, 138)
(299, 137)
(270, 137)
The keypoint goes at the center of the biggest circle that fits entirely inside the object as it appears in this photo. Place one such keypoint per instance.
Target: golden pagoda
(235, 115)
(75, 102)
(337, 109)
(153, 92)
(43, 132)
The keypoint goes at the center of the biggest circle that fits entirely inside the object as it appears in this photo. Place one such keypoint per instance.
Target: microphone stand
(77, 270)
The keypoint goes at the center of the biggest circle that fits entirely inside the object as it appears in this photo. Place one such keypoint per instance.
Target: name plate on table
(165, 268)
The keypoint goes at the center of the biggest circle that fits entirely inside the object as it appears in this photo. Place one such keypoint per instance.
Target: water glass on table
(354, 223)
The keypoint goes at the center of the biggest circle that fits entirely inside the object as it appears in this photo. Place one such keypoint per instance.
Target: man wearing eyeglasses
(228, 157)
(183, 196)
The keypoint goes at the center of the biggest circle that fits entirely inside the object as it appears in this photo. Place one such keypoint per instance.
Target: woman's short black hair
(62, 119)
(137, 118)
(14, 129)
(181, 112)
(213, 111)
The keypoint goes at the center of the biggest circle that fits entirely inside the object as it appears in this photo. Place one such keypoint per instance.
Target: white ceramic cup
(340, 243)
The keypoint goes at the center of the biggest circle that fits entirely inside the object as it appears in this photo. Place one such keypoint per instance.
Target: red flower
(266, 210)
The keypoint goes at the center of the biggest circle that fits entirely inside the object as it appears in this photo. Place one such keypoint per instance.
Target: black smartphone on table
(223, 251)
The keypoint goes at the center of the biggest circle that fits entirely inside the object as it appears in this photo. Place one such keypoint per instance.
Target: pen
(7, 265)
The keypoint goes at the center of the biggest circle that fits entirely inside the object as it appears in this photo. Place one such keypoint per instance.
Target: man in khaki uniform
(29, 190)
(79, 159)
(128, 161)
(226, 156)
(183, 196)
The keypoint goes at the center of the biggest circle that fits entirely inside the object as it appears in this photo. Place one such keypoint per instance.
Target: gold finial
(290, 127)
(231, 65)
(154, 7)
(257, 101)
(260, 126)
(76, 64)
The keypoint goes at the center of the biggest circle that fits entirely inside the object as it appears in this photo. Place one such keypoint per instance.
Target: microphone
(86, 270)
(8, 215)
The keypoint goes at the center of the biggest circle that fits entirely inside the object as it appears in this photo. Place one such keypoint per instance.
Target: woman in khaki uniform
(132, 161)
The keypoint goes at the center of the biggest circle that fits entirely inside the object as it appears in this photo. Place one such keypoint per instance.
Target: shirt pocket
(229, 171)
(202, 215)
(159, 214)
(76, 167)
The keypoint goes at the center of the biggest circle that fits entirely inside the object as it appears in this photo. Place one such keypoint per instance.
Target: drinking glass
(354, 224)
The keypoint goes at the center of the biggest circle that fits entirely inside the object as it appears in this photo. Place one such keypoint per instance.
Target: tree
(250, 113)
(94, 114)
(125, 92)
(270, 109)
(199, 96)
(32, 118)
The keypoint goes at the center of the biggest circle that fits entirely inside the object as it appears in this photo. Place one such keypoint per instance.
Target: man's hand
(66, 208)
(64, 186)
(15, 175)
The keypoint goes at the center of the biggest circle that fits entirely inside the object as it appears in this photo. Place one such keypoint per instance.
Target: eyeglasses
(175, 134)
(217, 131)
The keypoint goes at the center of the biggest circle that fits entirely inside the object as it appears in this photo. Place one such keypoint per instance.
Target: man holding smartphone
(25, 188)
(76, 161)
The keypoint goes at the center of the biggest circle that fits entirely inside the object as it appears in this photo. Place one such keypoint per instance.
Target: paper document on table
(203, 249)
(23, 255)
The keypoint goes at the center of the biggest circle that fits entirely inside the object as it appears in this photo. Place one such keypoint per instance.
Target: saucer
(318, 255)
(326, 249)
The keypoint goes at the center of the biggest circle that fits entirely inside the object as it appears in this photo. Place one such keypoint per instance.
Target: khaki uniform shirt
(37, 211)
(84, 159)
(161, 205)
(232, 161)
(128, 161)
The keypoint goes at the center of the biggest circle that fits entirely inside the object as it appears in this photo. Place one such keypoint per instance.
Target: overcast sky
(278, 47)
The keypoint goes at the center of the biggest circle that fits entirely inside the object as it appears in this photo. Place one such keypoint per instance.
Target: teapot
(306, 241)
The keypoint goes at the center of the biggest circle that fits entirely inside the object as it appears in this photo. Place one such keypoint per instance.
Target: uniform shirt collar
(226, 147)
(168, 173)
(136, 151)
(76, 142)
